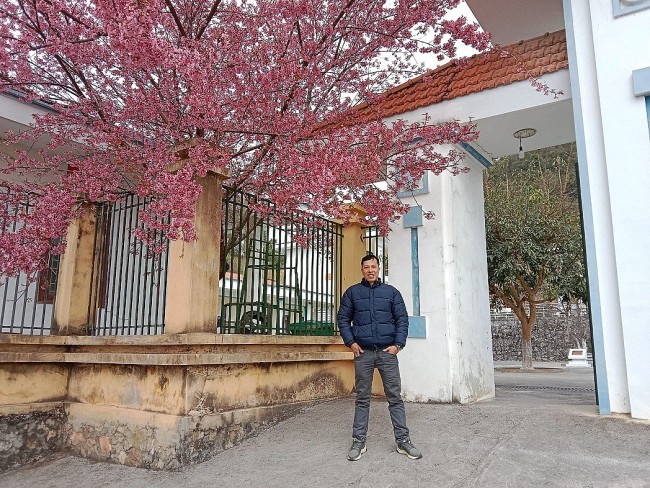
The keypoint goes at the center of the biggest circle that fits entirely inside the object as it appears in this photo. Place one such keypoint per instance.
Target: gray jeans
(388, 366)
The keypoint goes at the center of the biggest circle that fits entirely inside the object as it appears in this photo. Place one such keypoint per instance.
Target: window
(623, 7)
(47, 280)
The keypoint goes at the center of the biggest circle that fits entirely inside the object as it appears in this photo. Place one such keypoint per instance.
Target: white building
(594, 56)
(608, 45)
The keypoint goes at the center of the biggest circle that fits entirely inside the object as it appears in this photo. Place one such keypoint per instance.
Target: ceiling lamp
(523, 134)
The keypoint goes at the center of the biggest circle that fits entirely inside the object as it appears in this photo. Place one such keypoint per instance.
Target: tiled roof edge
(392, 95)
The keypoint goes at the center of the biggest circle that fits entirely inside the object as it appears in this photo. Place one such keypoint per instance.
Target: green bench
(312, 328)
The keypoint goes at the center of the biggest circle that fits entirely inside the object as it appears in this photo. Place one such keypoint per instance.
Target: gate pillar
(75, 276)
(192, 303)
(354, 247)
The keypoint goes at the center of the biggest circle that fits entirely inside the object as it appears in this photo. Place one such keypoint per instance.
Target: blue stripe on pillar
(418, 326)
(415, 267)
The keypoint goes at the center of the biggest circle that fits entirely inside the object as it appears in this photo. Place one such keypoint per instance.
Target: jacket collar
(365, 283)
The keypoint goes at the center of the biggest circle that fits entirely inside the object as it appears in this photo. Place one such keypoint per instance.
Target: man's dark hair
(368, 257)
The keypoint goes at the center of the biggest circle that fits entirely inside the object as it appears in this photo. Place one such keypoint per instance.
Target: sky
(430, 60)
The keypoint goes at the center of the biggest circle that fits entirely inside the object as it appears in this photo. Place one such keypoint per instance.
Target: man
(374, 324)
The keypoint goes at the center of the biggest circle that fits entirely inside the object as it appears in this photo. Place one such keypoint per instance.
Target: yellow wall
(32, 383)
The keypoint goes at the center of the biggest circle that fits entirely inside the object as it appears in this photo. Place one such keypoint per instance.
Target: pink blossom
(141, 88)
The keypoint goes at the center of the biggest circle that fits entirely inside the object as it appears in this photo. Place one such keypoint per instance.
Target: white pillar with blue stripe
(440, 267)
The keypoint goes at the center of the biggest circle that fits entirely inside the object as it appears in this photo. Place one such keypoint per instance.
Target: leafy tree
(534, 240)
(147, 95)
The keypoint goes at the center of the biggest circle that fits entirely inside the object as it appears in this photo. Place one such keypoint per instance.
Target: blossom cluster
(148, 95)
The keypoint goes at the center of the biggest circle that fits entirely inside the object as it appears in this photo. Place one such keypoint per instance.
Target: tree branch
(177, 19)
(211, 14)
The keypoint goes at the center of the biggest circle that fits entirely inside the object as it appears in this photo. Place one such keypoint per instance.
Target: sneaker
(408, 449)
(357, 449)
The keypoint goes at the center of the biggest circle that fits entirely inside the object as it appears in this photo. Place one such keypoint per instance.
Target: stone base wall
(161, 441)
(555, 332)
(31, 436)
(133, 438)
(157, 402)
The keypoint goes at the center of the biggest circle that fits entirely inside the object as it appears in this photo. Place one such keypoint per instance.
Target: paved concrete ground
(541, 430)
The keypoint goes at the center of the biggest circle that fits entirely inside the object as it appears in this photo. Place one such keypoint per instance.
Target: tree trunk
(526, 351)
(527, 324)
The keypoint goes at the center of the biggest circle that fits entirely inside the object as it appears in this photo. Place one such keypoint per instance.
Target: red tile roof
(502, 66)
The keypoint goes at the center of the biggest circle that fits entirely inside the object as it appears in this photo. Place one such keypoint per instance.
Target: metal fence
(128, 281)
(281, 274)
(27, 301)
(376, 244)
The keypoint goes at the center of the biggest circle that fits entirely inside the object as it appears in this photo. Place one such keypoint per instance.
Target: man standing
(374, 324)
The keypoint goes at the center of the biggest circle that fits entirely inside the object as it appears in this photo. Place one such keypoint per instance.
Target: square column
(192, 303)
(73, 294)
(354, 247)
(442, 270)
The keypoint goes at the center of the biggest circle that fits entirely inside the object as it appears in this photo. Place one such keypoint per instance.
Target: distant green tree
(534, 238)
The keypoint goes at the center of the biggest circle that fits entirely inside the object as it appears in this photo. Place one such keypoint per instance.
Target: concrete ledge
(172, 359)
(169, 339)
(181, 349)
(27, 408)
(172, 377)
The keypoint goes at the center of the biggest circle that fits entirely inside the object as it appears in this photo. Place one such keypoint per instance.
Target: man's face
(370, 270)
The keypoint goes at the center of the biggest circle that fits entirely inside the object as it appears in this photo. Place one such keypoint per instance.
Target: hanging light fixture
(523, 134)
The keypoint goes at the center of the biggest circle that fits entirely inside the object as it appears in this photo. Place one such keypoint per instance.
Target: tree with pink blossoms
(148, 95)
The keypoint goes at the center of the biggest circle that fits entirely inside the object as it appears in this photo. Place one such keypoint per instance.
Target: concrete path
(541, 430)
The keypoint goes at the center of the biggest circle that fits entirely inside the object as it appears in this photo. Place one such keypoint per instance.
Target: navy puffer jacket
(373, 316)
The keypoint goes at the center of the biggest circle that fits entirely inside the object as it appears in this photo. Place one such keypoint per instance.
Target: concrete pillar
(192, 302)
(448, 355)
(354, 247)
(75, 276)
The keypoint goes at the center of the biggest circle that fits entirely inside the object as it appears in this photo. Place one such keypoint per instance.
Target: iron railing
(27, 300)
(281, 274)
(128, 281)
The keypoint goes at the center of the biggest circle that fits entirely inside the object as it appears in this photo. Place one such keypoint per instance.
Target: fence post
(73, 292)
(354, 247)
(192, 302)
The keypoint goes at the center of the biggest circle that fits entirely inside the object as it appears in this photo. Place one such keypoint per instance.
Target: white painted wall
(454, 361)
(617, 169)
(468, 294)
(14, 111)
(425, 363)
(510, 21)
